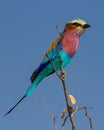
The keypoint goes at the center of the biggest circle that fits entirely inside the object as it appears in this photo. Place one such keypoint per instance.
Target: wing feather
(51, 52)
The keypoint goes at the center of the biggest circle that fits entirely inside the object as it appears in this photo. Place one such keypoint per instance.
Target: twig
(54, 122)
(58, 29)
(76, 110)
(89, 118)
(86, 113)
(64, 122)
(50, 113)
(80, 108)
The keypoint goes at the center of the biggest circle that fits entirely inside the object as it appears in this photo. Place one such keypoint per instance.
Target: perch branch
(62, 78)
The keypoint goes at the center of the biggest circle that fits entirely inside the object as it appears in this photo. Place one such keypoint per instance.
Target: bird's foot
(63, 74)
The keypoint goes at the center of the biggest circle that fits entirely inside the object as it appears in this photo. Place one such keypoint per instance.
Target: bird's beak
(86, 26)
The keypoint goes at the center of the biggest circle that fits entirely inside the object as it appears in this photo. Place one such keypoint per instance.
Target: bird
(67, 44)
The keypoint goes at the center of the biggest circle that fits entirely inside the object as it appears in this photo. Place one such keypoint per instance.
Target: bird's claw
(63, 74)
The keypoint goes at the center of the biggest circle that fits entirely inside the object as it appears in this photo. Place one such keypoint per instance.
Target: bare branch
(54, 122)
(50, 113)
(89, 118)
(58, 29)
(64, 122)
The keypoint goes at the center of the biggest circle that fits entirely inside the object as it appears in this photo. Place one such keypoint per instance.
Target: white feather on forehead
(80, 21)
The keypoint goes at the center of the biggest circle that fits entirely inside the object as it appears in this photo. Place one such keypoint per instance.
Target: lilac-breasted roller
(67, 43)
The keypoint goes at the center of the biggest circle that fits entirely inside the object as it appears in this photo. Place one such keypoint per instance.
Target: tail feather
(28, 92)
(34, 85)
(15, 105)
(36, 77)
(38, 71)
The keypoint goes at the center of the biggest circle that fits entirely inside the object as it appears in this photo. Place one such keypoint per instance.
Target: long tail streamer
(15, 105)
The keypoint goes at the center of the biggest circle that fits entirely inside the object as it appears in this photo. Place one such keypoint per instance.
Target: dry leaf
(72, 99)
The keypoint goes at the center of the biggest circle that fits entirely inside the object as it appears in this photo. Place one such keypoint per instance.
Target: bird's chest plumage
(70, 42)
(67, 46)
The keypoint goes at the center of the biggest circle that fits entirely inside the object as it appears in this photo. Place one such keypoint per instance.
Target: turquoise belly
(65, 58)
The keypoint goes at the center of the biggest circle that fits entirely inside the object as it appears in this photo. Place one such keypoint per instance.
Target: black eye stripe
(76, 24)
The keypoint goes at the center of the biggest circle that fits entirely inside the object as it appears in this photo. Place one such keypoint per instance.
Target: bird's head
(78, 24)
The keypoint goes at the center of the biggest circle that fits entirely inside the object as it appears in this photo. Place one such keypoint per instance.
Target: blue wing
(51, 52)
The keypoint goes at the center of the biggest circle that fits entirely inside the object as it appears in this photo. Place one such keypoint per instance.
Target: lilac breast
(70, 42)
